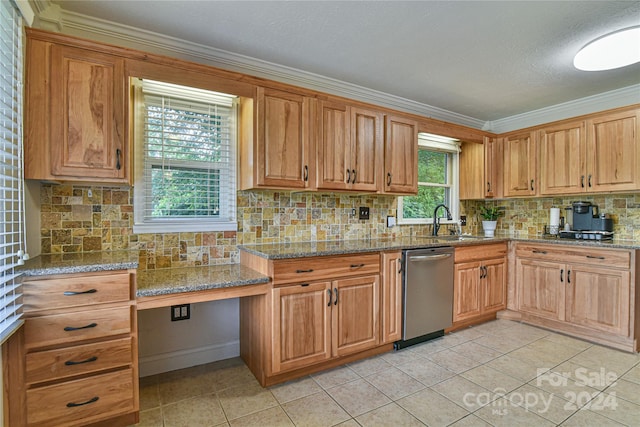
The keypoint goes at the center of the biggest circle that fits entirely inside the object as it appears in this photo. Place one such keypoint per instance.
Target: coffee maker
(588, 223)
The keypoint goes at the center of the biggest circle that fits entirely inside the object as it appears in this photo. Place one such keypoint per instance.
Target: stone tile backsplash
(73, 221)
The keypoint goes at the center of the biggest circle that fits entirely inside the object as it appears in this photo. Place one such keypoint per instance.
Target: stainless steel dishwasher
(427, 282)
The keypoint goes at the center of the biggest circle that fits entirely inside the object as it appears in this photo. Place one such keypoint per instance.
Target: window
(437, 180)
(12, 250)
(185, 159)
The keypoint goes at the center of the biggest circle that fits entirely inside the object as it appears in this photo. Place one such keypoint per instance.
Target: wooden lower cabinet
(391, 303)
(480, 283)
(581, 291)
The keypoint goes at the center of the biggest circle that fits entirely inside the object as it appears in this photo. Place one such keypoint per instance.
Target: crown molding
(591, 104)
(95, 28)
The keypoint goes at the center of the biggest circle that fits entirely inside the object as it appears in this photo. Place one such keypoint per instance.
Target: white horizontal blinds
(189, 153)
(11, 179)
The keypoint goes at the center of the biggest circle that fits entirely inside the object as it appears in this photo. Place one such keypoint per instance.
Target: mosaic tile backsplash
(71, 221)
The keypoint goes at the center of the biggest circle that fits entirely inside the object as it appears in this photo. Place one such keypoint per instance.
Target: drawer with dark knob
(322, 267)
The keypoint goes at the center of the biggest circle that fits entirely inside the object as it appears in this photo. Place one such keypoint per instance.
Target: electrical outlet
(463, 220)
(180, 312)
(363, 212)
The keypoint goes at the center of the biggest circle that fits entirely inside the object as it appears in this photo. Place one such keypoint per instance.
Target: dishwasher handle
(427, 258)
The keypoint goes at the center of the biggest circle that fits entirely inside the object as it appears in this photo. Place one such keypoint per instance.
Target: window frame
(442, 145)
(228, 209)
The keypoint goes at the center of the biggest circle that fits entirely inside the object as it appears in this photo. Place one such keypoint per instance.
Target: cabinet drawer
(68, 328)
(480, 252)
(66, 362)
(311, 269)
(76, 290)
(81, 402)
(575, 254)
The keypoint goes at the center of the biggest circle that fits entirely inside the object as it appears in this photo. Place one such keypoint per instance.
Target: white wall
(212, 333)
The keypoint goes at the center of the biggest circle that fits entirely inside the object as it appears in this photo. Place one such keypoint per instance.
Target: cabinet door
(492, 167)
(334, 146)
(356, 313)
(87, 115)
(283, 139)
(562, 152)
(614, 153)
(494, 291)
(391, 297)
(301, 325)
(366, 145)
(520, 165)
(466, 291)
(401, 156)
(540, 287)
(598, 298)
(472, 171)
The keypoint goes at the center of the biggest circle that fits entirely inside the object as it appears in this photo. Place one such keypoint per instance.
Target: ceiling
(485, 60)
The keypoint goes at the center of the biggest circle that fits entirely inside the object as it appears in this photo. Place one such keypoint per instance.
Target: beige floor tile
(586, 418)
(295, 389)
(151, 418)
(492, 380)
(200, 411)
(245, 399)
(503, 413)
(626, 390)
(369, 366)
(517, 368)
(531, 332)
(432, 408)
(495, 327)
(149, 395)
(454, 339)
(471, 333)
(470, 421)
(597, 357)
(216, 379)
(551, 351)
(453, 361)
(390, 415)
(580, 375)
(394, 383)
(567, 341)
(502, 344)
(617, 409)
(425, 371)
(349, 423)
(315, 410)
(633, 375)
(427, 348)
(272, 417)
(475, 351)
(547, 405)
(178, 385)
(358, 397)
(335, 377)
(399, 357)
(464, 393)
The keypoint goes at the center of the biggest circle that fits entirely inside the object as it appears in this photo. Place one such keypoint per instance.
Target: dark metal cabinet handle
(73, 405)
(305, 271)
(357, 265)
(353, 171)
(531, 185)
(589, 181)
(348, 176)
(595, 257)
(582, 181)
(388, 178)
(306, 173)
(80, 362)
(335, 291)
(329, 293)
(118, 155)
(72, 293)
(488, 187)
(535, 251)
(400, 268)
(562, 275)
(73, 328)
(569, 276)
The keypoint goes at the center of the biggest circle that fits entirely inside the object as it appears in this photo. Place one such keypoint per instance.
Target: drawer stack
(80, 347)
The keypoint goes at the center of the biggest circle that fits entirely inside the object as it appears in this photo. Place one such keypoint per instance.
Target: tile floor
(501, 373)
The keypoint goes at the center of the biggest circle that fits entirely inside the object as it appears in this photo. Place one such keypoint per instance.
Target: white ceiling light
(614, 50)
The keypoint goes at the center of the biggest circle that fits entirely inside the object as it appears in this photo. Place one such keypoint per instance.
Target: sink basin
(458, 238)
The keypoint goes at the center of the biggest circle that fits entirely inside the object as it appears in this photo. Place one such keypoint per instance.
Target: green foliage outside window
(432, 169)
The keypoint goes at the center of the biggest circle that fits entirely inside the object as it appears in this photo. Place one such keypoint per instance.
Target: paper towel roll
(554, 216)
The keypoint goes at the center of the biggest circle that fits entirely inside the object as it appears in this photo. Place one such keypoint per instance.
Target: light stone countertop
(87, 262)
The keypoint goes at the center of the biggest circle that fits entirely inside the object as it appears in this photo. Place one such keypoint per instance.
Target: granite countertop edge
(169, 289)
(89, 268)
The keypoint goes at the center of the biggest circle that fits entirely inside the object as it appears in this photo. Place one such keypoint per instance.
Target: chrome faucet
(436, 220)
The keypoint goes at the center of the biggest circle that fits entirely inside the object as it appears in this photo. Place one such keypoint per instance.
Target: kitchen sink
(459, 238)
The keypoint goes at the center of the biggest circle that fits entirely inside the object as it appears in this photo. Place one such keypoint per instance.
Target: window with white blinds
(12, 251)
(186, 165)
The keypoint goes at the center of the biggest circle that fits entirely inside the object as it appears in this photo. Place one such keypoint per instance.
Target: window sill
(191, 226)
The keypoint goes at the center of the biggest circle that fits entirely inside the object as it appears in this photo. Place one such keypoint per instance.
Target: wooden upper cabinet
(520, 165)
(75, 115)
(492, 167)
(613, 152)
(349, 146)
(479, 170)
(283, 143)
(562, 164)
(400, 155)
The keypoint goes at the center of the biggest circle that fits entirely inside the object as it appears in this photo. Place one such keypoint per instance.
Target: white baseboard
(165, 362)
